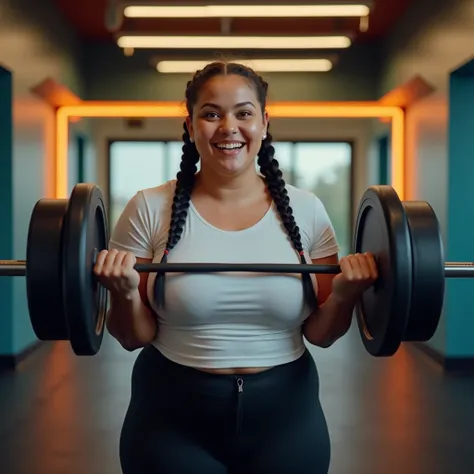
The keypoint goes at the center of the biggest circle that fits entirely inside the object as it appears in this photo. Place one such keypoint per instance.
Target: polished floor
(62, 414)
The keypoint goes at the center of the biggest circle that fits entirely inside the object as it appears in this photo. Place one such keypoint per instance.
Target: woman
(225, 383)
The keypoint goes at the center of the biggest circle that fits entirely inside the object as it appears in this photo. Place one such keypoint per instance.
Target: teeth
(229, 146)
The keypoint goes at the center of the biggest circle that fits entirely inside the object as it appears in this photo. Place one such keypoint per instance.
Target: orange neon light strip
(277, 110)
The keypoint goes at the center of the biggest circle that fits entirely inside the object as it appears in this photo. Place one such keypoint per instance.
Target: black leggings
(184, 421)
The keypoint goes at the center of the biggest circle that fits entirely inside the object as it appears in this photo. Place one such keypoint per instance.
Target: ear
(189, 124)
(265, 123)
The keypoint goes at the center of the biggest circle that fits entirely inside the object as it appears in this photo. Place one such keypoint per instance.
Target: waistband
(188, 378)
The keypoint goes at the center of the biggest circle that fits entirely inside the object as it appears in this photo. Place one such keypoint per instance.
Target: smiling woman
(225, 381)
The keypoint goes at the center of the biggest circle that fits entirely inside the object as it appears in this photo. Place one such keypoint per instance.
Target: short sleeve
(324, 242)
(132, 233)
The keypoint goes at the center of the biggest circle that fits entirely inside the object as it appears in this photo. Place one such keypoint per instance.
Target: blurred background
(414, 57)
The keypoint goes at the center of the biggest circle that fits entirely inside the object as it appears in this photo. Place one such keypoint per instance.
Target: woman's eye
(245, 113)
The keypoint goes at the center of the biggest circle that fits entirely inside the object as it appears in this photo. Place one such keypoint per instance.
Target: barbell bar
(451, 269)
(66, 302)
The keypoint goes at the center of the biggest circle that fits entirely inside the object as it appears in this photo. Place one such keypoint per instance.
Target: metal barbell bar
(451, 269)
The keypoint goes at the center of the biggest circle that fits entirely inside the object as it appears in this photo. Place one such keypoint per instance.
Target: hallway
(63, 414)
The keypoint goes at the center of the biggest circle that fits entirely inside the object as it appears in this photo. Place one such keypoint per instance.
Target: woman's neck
(229, 189)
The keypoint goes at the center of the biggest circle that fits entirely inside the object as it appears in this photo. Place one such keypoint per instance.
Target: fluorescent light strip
(234, 42)
(262, 65)
(246, 11)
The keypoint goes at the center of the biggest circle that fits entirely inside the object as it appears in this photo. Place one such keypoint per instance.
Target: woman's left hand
(358, 273)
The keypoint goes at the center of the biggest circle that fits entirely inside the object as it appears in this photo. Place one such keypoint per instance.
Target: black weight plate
(85, 301)
(428, 272)
(44, 270)
(382, 229)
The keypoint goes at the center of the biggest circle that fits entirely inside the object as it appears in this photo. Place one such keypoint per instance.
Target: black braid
(185, 180)
(270, 169)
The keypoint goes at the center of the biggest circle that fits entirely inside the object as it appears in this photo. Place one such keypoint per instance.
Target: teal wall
(384, 158)
(460, 233)
(6, 241)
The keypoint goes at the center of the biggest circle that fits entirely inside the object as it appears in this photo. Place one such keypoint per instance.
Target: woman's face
(228, 125)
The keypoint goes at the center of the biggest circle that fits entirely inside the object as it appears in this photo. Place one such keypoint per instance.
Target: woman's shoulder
(151, 205)
(157, 197)
(159, 191)
(303, 199)
(314, 222)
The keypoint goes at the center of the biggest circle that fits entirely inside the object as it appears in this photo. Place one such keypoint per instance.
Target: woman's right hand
(115, 271)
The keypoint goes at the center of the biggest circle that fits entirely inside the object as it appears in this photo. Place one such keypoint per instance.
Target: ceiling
(88, 19)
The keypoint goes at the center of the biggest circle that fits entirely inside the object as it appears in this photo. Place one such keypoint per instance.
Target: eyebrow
(241, 104)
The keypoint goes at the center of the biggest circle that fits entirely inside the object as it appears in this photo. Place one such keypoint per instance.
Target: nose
(228, 126)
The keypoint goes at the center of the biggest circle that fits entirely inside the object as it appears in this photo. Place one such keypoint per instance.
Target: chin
(231, 164)
(229, 171)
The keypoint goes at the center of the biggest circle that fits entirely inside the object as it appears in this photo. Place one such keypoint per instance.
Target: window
(325, 170)
(133, 166)
(322, 168)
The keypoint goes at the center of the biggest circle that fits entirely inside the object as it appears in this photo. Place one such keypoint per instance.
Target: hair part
(269, 167)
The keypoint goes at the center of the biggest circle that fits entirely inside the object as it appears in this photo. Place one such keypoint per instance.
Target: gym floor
(62, 414)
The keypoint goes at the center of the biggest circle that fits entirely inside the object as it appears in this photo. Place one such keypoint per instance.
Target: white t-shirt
(229, 319)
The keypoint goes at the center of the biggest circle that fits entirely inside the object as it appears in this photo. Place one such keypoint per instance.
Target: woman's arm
(333, 317)
(337, 297)
(130, 318)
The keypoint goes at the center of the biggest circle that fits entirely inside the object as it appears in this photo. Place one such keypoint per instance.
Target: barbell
(67, 303)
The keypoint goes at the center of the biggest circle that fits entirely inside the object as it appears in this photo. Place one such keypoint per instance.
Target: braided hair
(269, 167)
